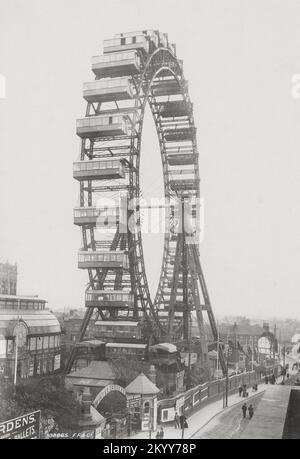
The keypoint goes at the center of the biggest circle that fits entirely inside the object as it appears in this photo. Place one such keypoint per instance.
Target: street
(229, 424)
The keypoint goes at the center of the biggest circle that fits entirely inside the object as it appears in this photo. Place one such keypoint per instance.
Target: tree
(127, 370)
(59, 408)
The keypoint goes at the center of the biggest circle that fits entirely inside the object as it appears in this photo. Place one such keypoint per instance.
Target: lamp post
(17, 343)
(227, 376)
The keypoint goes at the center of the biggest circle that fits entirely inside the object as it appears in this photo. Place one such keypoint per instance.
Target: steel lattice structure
(139, 68)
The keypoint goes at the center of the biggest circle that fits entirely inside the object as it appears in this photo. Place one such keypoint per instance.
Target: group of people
(250, 411)
(243, 390)
(270, 379)
(160, 433)
(180, 421)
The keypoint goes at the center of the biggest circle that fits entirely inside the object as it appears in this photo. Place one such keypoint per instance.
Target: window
(32, 344)
(46, 342)
(123, 41)
(146, 407)
(51, 341)
(165, 415)
(39, 343)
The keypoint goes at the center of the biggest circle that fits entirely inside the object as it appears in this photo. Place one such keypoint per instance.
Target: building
(242, 338)
(95, 376)
(26, 323)
(71, 326)
(8, 279)
(243, 333)
(267, 345)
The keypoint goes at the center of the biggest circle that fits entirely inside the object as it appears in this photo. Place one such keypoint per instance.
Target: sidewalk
(200, 418)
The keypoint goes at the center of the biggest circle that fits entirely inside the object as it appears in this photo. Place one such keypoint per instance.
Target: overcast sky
(239, 57)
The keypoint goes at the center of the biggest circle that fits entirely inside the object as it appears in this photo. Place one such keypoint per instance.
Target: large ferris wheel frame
(181, 288)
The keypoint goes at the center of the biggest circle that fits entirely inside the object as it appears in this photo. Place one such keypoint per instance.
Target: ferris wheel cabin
(96, 216)
(99, 169)
(116, 64)
(175, 108)
(109, 299)
(109, 259)
(108, 90)
(102, 126)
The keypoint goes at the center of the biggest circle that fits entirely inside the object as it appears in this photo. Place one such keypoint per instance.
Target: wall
(193, 399)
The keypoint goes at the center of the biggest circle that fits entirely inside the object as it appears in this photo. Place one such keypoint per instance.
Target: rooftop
(22, 298)
(95, 370)
(142, 385)
(241, 329)
(37, 321)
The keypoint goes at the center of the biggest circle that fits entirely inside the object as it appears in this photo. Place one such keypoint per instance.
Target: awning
(168, 347)
(90, 343)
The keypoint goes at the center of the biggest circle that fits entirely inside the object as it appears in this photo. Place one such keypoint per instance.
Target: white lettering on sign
(106, 390)
(26, 426)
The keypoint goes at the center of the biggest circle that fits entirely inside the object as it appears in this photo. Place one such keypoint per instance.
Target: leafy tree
(59, 408)
(127, 370)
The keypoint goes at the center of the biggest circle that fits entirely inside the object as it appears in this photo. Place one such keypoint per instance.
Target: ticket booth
(141, 396)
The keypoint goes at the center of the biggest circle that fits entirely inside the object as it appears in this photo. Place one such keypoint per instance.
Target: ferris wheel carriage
(109, 259)
(119, 330)
(99, 169)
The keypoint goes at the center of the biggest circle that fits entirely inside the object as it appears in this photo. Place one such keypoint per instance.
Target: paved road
(230, 423)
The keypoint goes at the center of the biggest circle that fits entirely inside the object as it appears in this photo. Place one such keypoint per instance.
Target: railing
(194, 398)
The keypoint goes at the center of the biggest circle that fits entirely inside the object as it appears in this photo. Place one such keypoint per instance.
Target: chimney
(266, 326)
(86, 403)
(152, 374)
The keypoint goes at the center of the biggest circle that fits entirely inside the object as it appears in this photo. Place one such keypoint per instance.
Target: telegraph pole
(218, 344)
(17, 343)
(227, 378)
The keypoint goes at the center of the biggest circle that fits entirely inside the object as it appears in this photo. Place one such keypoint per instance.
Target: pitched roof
(95, 370)
(142, 385)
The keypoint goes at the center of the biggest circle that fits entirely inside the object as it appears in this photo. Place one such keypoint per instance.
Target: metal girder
(159, 80)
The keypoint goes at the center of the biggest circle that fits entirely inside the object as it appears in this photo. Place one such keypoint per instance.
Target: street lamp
(227, 376)
(17, 343)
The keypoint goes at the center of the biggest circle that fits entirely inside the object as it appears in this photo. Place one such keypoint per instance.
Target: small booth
(141, 396)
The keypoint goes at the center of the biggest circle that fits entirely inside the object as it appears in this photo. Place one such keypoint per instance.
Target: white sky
(239, 57)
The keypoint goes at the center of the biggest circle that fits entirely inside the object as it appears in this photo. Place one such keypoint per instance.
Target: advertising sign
(57, 362)
(26, 426)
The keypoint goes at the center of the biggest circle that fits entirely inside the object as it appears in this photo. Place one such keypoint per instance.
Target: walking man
(176, 421)
(244, 410)
(251, 411)
(182, 420)
(240, 391)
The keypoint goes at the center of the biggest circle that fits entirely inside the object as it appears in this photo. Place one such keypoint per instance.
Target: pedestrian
(176, 421)
(266, 379)
(182, 420)
(251, 411)
(161, 433)
(240, 390)
(244, 410)
(157, 435)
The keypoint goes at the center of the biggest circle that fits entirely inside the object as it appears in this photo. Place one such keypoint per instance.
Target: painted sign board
(26, 426)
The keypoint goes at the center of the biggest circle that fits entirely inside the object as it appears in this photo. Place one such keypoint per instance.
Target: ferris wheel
(136, 69)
